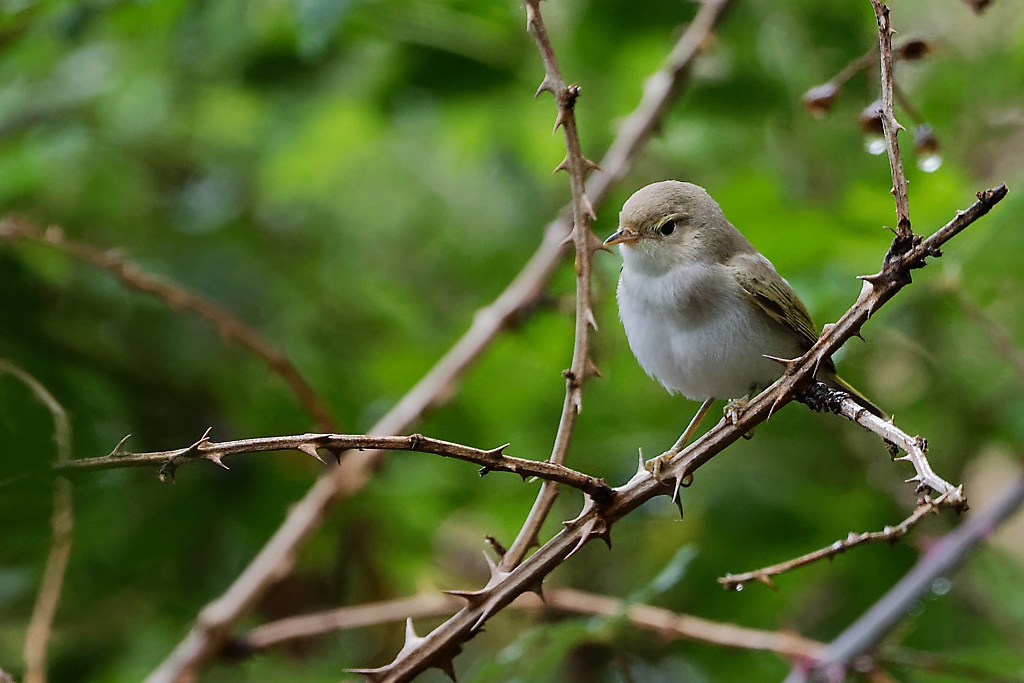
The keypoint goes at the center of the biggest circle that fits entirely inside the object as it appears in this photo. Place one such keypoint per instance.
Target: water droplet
(941, 586)
(874, 145)
(930, 163)
(739, 587)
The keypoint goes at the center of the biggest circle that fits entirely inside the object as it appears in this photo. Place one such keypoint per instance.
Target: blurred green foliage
(354, 179)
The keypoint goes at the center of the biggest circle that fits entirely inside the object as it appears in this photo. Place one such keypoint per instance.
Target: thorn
(912, 479)
(559, 120)
(372, 674)
(538, 589)
(569, 239)
(591, 369)
(497, 575)
(591, 320)
(784, 362)
(474, 598)
(215, 458)
(447, 665)
(485, 614)
(596, 244)
(775, 406)
(563, 165)
(873, 280)
(546, 85)
(766, 580)
(588, 207)
(198, 445)
(589, 166)
(641, 469)
(497, 452)
(681, 482)
(119, 448)
(310, 450)
(679, 504)
(411, 639)
(496, 545)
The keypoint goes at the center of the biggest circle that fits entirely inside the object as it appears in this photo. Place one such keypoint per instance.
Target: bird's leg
(654, 465)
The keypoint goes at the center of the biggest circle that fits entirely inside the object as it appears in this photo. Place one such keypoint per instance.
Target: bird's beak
(622, 236)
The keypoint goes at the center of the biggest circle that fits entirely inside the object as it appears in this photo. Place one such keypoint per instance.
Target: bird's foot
(734, 410)
(657, 464)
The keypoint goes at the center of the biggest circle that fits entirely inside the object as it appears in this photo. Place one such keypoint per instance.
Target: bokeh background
(355, 179)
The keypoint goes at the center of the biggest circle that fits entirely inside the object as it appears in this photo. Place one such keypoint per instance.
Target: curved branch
(656, 619)
(489, 460)
(890, 534)
(884, 615)
(889, 124)
(62, 524)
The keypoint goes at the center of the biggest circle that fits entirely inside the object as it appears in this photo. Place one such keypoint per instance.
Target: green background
(355, 179)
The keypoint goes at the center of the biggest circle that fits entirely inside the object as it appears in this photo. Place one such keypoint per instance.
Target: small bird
(702, 308)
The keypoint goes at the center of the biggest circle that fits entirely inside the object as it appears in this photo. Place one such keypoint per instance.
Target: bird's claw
(656, 465)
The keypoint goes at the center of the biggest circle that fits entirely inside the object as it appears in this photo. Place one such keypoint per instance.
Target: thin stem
(889, 124)
(62, 524)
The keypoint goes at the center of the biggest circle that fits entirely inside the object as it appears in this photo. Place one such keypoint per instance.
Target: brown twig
(229, 326)
(821, 397)
(943, 556)
(890, 534)
(659, 620)
(818, 100)
(890, 126)
(62, 523)
(594, 521)
(489, 460)
(585, 243)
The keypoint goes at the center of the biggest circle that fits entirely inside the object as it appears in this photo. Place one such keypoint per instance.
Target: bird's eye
(668, 227)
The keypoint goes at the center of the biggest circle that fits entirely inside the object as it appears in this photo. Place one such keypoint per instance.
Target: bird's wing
(766, 289)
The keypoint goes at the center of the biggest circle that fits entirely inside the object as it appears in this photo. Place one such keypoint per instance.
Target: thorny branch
(489, 460)
(585, 243)
(867, 631)
(275, 559)
(890, 127)
(890, 534)
(595, 521)
(821, 397)
(62, 523)
(228, 325)
(656, 619)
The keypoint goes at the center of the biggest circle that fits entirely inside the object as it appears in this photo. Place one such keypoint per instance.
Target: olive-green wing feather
(766, 289)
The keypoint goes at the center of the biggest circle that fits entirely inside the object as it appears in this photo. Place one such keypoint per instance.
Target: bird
(705, 313)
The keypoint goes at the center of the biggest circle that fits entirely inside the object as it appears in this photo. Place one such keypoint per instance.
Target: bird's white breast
(690, 329)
